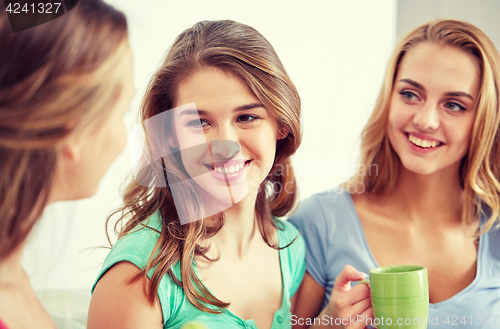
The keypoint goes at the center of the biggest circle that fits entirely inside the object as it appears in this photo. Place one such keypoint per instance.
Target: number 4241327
(478, 320)
(40, 8)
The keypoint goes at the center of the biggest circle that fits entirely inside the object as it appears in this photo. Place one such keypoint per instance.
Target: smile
(423, 143)
(230, 169)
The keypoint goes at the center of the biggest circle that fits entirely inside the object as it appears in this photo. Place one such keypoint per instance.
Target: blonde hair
(480, 168)
(56, 79)
(236, 49)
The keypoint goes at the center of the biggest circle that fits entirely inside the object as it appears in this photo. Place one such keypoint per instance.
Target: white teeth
(422, 143)
(231, 169)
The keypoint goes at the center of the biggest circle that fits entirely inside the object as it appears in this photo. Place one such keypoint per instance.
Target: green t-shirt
(177, 309)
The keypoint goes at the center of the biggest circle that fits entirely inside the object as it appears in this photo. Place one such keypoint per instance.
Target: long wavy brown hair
(480, 167)
(51, 76)
(239, 50)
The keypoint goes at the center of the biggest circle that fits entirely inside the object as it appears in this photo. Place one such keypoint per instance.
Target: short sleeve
(293, 257)
(311, 223)
(136, 248)
(299, 264)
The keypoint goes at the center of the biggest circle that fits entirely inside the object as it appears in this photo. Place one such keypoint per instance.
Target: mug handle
(365, 281)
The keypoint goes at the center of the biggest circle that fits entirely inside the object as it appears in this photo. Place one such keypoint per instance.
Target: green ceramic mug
(400, 296)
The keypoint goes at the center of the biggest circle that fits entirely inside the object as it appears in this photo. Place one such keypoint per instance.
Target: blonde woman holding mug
(431, 196)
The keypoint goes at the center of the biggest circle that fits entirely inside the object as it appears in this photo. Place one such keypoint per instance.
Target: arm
(117, 304)
(308, 300)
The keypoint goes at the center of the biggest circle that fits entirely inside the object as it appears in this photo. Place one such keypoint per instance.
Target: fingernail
(363, 275)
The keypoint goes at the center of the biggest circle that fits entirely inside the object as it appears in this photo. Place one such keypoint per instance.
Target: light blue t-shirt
(177, 310)
(334, 238)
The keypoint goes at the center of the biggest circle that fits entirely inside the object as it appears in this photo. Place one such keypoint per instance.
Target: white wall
(334, 51)
(483, 13)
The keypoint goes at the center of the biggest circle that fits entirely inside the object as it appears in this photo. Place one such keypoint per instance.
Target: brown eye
(198, 124)
(247, 118)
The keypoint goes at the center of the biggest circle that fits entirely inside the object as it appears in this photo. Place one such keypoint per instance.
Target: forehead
(213, 88)
(443, 67)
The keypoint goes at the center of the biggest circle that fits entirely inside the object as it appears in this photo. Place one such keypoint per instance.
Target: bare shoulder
(118, 303)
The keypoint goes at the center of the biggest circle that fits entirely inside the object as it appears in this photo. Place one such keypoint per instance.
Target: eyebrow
(238, 109)
(451, 93)
(413, 83)
(458, 94)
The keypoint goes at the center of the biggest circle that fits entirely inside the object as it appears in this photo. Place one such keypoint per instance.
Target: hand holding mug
(350, 307)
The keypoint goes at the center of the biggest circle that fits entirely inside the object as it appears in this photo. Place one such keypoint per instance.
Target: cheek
(398, 119)
(112, 143)
(397, 115)
(461, 137)
(118, 138)
(393, 122)
(263, 142)
(187, 139)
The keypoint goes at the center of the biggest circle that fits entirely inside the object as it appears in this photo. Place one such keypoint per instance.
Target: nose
(427, 118)
(225, 148)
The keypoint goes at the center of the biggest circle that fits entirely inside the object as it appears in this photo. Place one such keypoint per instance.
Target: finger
(362, 319)
(369, 317)
(348, 274)
(361, 306)
(358, 293)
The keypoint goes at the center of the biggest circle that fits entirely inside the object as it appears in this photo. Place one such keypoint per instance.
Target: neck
(11, 270)
(240, 228)
(429, 197)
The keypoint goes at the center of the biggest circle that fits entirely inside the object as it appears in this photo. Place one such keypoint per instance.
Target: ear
(71, 150)
(282, 132)
(172, 140)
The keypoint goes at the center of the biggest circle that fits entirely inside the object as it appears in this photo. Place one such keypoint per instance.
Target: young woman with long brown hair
(221, 118)
(64, 87)
(430, 194)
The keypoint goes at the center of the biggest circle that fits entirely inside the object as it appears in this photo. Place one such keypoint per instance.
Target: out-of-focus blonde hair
(480, 168)
(56, 80)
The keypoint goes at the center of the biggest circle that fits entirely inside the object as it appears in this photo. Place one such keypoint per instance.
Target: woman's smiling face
(432, 107)
(227, 139)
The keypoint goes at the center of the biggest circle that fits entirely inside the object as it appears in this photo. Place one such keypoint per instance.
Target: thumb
(348, 274)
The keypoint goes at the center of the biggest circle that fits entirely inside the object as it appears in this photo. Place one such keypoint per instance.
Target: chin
(420, 169)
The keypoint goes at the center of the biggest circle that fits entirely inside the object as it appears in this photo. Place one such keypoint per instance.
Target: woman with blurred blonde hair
(64, 87)
(432, 194)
